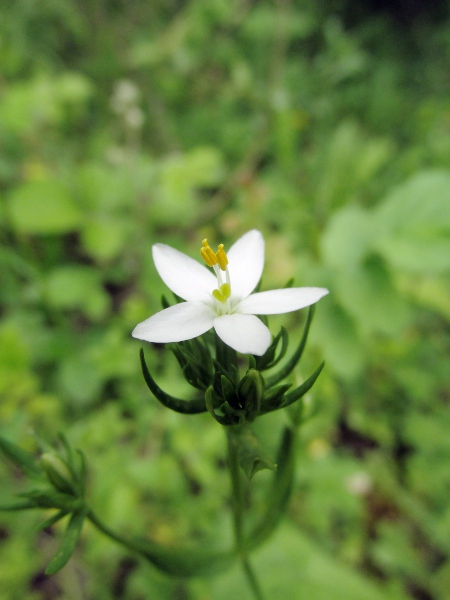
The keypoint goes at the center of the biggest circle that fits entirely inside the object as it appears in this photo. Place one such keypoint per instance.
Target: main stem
(237, 505)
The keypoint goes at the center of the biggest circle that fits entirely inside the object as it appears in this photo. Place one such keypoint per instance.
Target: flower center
(218, 261)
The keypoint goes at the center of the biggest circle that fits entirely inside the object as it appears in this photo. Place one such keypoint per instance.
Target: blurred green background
(326, 125)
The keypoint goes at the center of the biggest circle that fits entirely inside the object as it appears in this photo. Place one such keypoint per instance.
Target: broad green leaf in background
(43, 100)
(104, 189)
(413, 224)
(347, 238)
(77, 287)
(181, 176)
(368, 294)
(336, 334)
(292, 567)
(43, 207)
(104, 237)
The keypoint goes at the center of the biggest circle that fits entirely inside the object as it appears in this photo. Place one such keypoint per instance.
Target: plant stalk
(237, 504)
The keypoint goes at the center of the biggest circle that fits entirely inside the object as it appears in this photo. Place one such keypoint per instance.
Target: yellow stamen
(208, 254)
(219, 296)
(225, 290)
(222, 257)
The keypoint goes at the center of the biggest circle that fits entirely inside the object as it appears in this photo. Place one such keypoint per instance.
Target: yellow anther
(219, 296)
(225, 290)
(222, 257)
(208, 254)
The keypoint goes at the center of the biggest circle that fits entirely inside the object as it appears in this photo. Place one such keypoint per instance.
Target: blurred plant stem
(237, 505)
(94, 519)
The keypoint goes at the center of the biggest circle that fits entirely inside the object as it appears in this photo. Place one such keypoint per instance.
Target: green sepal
(300, 391)
(229, 393)
(211, 400)
(21, 458)
(195, 360)
(226, 357)
(279, 492)
(187, 407)
(292, 362)
(268, 359)
(68, 542)
(232, 373)
(250, 393)
(251, 456)
(164, 302)
(186, 561)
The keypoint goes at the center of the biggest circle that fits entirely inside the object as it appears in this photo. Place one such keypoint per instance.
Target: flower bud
(251, 391)
(58, 473)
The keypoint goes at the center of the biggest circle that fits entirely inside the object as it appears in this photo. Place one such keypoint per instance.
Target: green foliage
(126, 124)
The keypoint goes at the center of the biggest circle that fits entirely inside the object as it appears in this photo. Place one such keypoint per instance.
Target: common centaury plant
(212, 333)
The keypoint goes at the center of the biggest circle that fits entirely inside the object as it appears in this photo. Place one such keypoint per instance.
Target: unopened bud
(58, 473)
(251, 391)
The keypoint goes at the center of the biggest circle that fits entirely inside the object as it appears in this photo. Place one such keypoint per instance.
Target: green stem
(238, 509)
(110, 533)
(252, 580)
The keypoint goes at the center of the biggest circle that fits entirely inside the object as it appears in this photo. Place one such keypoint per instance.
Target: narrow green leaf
(49, 498)
(273, 398)
(292, 362)
(187, 407)
(303, 388)
(268, 359)
(17, 506)
(68, 543)
(187, 561)
(23, 459)
(52, 520)
(82, 471)
(279, 492)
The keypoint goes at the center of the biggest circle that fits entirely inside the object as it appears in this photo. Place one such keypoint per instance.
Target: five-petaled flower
(222, 300)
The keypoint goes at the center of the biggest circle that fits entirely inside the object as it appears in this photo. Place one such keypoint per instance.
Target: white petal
(245, 263)
(277, 302)
(244, 333)
(183, 275)
(180, 322)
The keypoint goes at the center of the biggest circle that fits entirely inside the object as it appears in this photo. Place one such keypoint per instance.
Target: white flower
(222, 299)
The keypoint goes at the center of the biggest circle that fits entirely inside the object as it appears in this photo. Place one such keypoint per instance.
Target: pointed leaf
(23, 459)
(187, 561)
(273, 398)
(268, 359)
(52, 520)
(190, 407)
(303, 388)
(292, 362)
(279, 492)
(82, 471)
(22, 505)
(68, 543)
